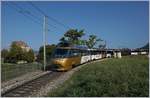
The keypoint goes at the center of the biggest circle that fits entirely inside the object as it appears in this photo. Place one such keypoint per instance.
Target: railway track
(30, 88)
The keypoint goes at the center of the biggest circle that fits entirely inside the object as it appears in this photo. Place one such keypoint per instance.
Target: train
(66, 58)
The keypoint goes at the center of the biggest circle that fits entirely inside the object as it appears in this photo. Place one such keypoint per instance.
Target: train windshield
(60, 53)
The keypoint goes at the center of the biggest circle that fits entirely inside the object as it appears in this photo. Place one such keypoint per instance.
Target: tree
(49, 51)
(30, 56)
(62, 39)
(4, 53)
(16, 54)
(102, 45)
(81, 42)
(92, 41)
(73, 36)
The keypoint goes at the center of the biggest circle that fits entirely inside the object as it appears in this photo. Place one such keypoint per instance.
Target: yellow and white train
(65, 58)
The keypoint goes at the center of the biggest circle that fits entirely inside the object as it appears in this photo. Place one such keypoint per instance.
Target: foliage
(49, 51)
(73, 36)
(102, 45)
(62, 39)
(92, 41)
(124, 77)
(29, 56)
(16, 53)
(4, 53)
(81, 42)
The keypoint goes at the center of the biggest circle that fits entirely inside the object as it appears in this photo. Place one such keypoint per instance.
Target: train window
(73, 52)
(89, 52)
(92, 52)
(85, 52)
(61, 53)
(79, 52)
(82, 53)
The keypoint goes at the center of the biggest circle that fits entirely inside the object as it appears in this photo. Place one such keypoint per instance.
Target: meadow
(125, 77)
(10, 71)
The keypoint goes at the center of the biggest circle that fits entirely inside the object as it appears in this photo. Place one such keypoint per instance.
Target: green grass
(128, 77)
(9, 71)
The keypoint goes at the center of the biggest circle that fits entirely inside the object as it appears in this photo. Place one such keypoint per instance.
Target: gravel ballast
(21, 80)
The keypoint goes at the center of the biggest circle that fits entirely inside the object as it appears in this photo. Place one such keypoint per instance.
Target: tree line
(16, 53)
(73, 36)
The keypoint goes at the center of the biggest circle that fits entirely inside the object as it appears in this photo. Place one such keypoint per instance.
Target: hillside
(126, 77)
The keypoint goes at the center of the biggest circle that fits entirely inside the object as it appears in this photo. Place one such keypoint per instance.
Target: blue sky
(121, 24)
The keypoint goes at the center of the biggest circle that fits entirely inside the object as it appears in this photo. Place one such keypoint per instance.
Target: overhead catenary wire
(30, 18)
(49, 17)
(29, 12)
(24, 11)
(21, 12)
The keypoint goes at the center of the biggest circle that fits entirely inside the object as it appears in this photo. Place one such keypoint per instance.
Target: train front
(59, 59)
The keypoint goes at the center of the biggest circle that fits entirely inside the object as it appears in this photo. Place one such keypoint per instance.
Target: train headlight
(62, 60)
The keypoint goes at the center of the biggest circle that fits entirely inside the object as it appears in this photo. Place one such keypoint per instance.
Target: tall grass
(128, 77)
(10, 71)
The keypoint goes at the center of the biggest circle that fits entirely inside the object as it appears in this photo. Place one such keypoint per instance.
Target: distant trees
(19, 50)
(29, 56)
(17, 53)
(73, 36)
(49, 51)
(92, 41)
(4, 53)
(102, 45)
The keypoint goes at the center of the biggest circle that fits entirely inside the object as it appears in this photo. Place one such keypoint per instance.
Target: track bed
(30, 88)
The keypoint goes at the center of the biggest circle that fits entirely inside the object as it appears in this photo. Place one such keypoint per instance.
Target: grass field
(128, 77)
(9, 71)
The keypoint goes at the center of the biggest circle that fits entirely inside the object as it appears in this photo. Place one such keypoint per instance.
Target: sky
(123, 24)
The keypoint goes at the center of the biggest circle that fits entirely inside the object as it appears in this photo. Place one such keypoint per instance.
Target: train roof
(68, 45)
(79, 48)
(72, 48)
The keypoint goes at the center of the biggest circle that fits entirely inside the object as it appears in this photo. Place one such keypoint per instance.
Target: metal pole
(44, 41)
(105, 48)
